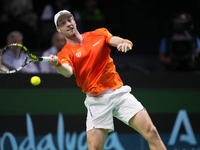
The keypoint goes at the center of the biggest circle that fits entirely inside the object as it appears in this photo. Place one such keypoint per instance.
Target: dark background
(142, 21)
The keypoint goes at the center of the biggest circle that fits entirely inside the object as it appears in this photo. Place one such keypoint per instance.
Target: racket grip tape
(46, 59)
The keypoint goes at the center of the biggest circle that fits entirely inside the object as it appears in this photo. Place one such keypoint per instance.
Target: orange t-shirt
(91, 62)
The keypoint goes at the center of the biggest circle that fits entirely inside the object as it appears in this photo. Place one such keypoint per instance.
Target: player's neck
(75, 40)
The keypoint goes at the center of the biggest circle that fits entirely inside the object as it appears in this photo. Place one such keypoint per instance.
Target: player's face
(67, 26)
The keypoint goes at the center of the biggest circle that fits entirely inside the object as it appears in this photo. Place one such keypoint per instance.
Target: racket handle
(46, 59)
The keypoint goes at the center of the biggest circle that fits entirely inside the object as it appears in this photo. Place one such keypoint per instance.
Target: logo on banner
(63, 141)
(189, 136)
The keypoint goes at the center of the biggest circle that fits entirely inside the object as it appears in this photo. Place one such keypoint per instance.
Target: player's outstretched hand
(53, 61)
(124, 47)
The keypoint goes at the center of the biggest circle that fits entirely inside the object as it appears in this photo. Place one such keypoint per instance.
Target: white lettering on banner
(46, 143)
(13, 142)
(189, 136)
(28, 142)
(60, 132)
(113, 141)
(64, 141)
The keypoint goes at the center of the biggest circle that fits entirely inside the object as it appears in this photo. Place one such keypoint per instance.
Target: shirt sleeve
(106, 33)
(64, 58)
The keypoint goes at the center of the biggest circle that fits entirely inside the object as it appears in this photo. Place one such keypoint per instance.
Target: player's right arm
(65, 69)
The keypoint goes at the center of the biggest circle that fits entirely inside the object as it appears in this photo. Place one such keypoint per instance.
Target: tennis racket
(16, 56)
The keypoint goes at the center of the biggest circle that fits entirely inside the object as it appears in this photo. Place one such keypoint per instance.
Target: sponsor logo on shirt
(97, 43)
(78, 54)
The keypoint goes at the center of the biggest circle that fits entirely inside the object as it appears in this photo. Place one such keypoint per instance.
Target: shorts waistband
(107, 91)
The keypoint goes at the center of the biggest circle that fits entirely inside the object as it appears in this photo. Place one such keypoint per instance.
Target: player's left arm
(123, 45)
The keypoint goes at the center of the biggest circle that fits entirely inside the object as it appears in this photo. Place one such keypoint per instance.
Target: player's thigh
(96, 138)
(142, 123)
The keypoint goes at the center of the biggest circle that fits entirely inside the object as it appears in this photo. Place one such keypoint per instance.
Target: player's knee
(152, 134)
(94, 145)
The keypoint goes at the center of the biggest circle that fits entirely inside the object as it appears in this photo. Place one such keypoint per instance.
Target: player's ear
(58, 29)
(73, 19)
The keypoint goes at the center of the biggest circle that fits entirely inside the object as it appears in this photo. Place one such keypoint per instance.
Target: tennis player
(87, 57)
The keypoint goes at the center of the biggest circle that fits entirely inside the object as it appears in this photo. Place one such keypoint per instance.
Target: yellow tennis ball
(35, 80)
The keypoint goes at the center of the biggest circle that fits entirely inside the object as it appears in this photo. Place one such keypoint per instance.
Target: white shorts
(119, 103)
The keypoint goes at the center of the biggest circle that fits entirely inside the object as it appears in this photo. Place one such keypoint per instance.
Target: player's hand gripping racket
(16, 56)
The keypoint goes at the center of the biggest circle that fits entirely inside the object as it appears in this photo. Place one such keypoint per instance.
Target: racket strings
(13, 57)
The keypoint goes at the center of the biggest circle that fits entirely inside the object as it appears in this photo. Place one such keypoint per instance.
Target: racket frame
(34, 58)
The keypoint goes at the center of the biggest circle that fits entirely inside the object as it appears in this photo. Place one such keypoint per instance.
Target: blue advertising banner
(52, 115)
(65, 132)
